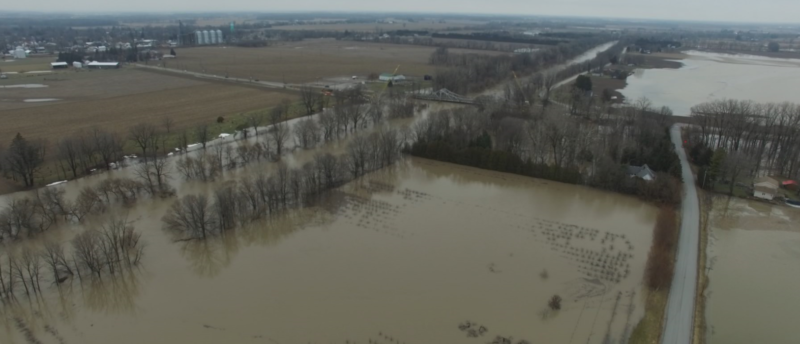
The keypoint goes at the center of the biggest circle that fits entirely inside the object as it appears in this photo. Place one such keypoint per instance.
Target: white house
(765, 188)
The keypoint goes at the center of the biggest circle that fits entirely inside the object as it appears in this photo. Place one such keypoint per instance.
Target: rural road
(679, 322)
(269, 84)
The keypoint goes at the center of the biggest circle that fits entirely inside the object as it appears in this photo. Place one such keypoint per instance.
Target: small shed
(764, 192)
(765, 188)
(643, 172)
(58, 65)
(789, 184)
(102, 65)
(77, 64)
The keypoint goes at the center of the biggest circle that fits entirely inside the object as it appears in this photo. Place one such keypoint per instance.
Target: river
(709, 76)
(754, 271)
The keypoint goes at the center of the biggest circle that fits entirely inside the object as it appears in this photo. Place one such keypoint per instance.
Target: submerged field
(753, 268)
(308, 61)
(406, 254)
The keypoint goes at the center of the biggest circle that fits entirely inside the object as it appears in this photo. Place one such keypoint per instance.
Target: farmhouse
(102, 65)
(58, 65)
(643, 172)
(391, 77)
(765, 188)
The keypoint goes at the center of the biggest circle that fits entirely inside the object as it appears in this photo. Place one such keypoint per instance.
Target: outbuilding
(59, 65)
(102, 65)
(765, 188)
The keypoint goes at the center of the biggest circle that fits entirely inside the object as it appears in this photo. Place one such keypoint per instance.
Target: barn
(59, 65)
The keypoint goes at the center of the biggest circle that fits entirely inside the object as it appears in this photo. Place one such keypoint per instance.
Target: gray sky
(785, 11)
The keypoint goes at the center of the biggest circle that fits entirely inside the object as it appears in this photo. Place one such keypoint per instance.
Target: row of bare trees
(251, 198)
(29, 216)
(92, 254)
(555, 146)
(767, 134)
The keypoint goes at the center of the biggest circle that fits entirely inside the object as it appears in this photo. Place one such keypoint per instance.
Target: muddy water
(754, 260)
(706, 76)
(402, 255)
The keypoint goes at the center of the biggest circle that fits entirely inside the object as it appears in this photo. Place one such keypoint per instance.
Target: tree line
(249, 199)
(744, 138)
(554, 146)
(469, 73)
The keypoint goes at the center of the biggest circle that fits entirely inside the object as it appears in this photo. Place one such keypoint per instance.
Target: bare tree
(307, 133)
(67, 150)
(191, 216)
(145, 136)
(279, 132)
(254, 119)
(24, 158)
(201, 134)
(168, 123)
(108, 145)
(310, 98)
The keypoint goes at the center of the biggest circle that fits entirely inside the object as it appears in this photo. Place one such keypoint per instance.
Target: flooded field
(421, 252)
(754, 261)
(708, 76)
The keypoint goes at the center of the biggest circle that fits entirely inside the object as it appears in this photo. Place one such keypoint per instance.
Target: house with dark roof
(642, 172)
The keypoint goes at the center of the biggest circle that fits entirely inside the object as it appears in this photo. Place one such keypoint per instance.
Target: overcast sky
(784, 11)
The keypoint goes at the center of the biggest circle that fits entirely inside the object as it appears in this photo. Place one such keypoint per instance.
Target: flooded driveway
(422, 252)
(754, 272)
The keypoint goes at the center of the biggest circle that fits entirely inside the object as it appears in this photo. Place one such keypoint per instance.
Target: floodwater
(402, 255)
(24, 86)
(41, 100)
(754, 261)
(708, 76)
(586, 56)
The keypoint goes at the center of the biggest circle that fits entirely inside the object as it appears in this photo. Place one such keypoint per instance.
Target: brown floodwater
(402, 255)
(754, 273)
(709, 76)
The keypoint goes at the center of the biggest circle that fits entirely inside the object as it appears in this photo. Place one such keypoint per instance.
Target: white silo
(213, 36)
(219, 37)
(206, 37)
(198, 37)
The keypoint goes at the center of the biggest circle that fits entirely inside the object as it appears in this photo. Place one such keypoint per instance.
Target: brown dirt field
(28, 64)
(187, 106)
(665, 62)
(431, 25)
(82, 85)
(307, 61)
(600, 83)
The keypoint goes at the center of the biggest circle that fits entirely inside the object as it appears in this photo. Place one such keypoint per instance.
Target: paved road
(679, 325)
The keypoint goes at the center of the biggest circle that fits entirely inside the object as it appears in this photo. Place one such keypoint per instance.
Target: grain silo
(220, 40)
(213, 35)
(198, 37)
(206, 37)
